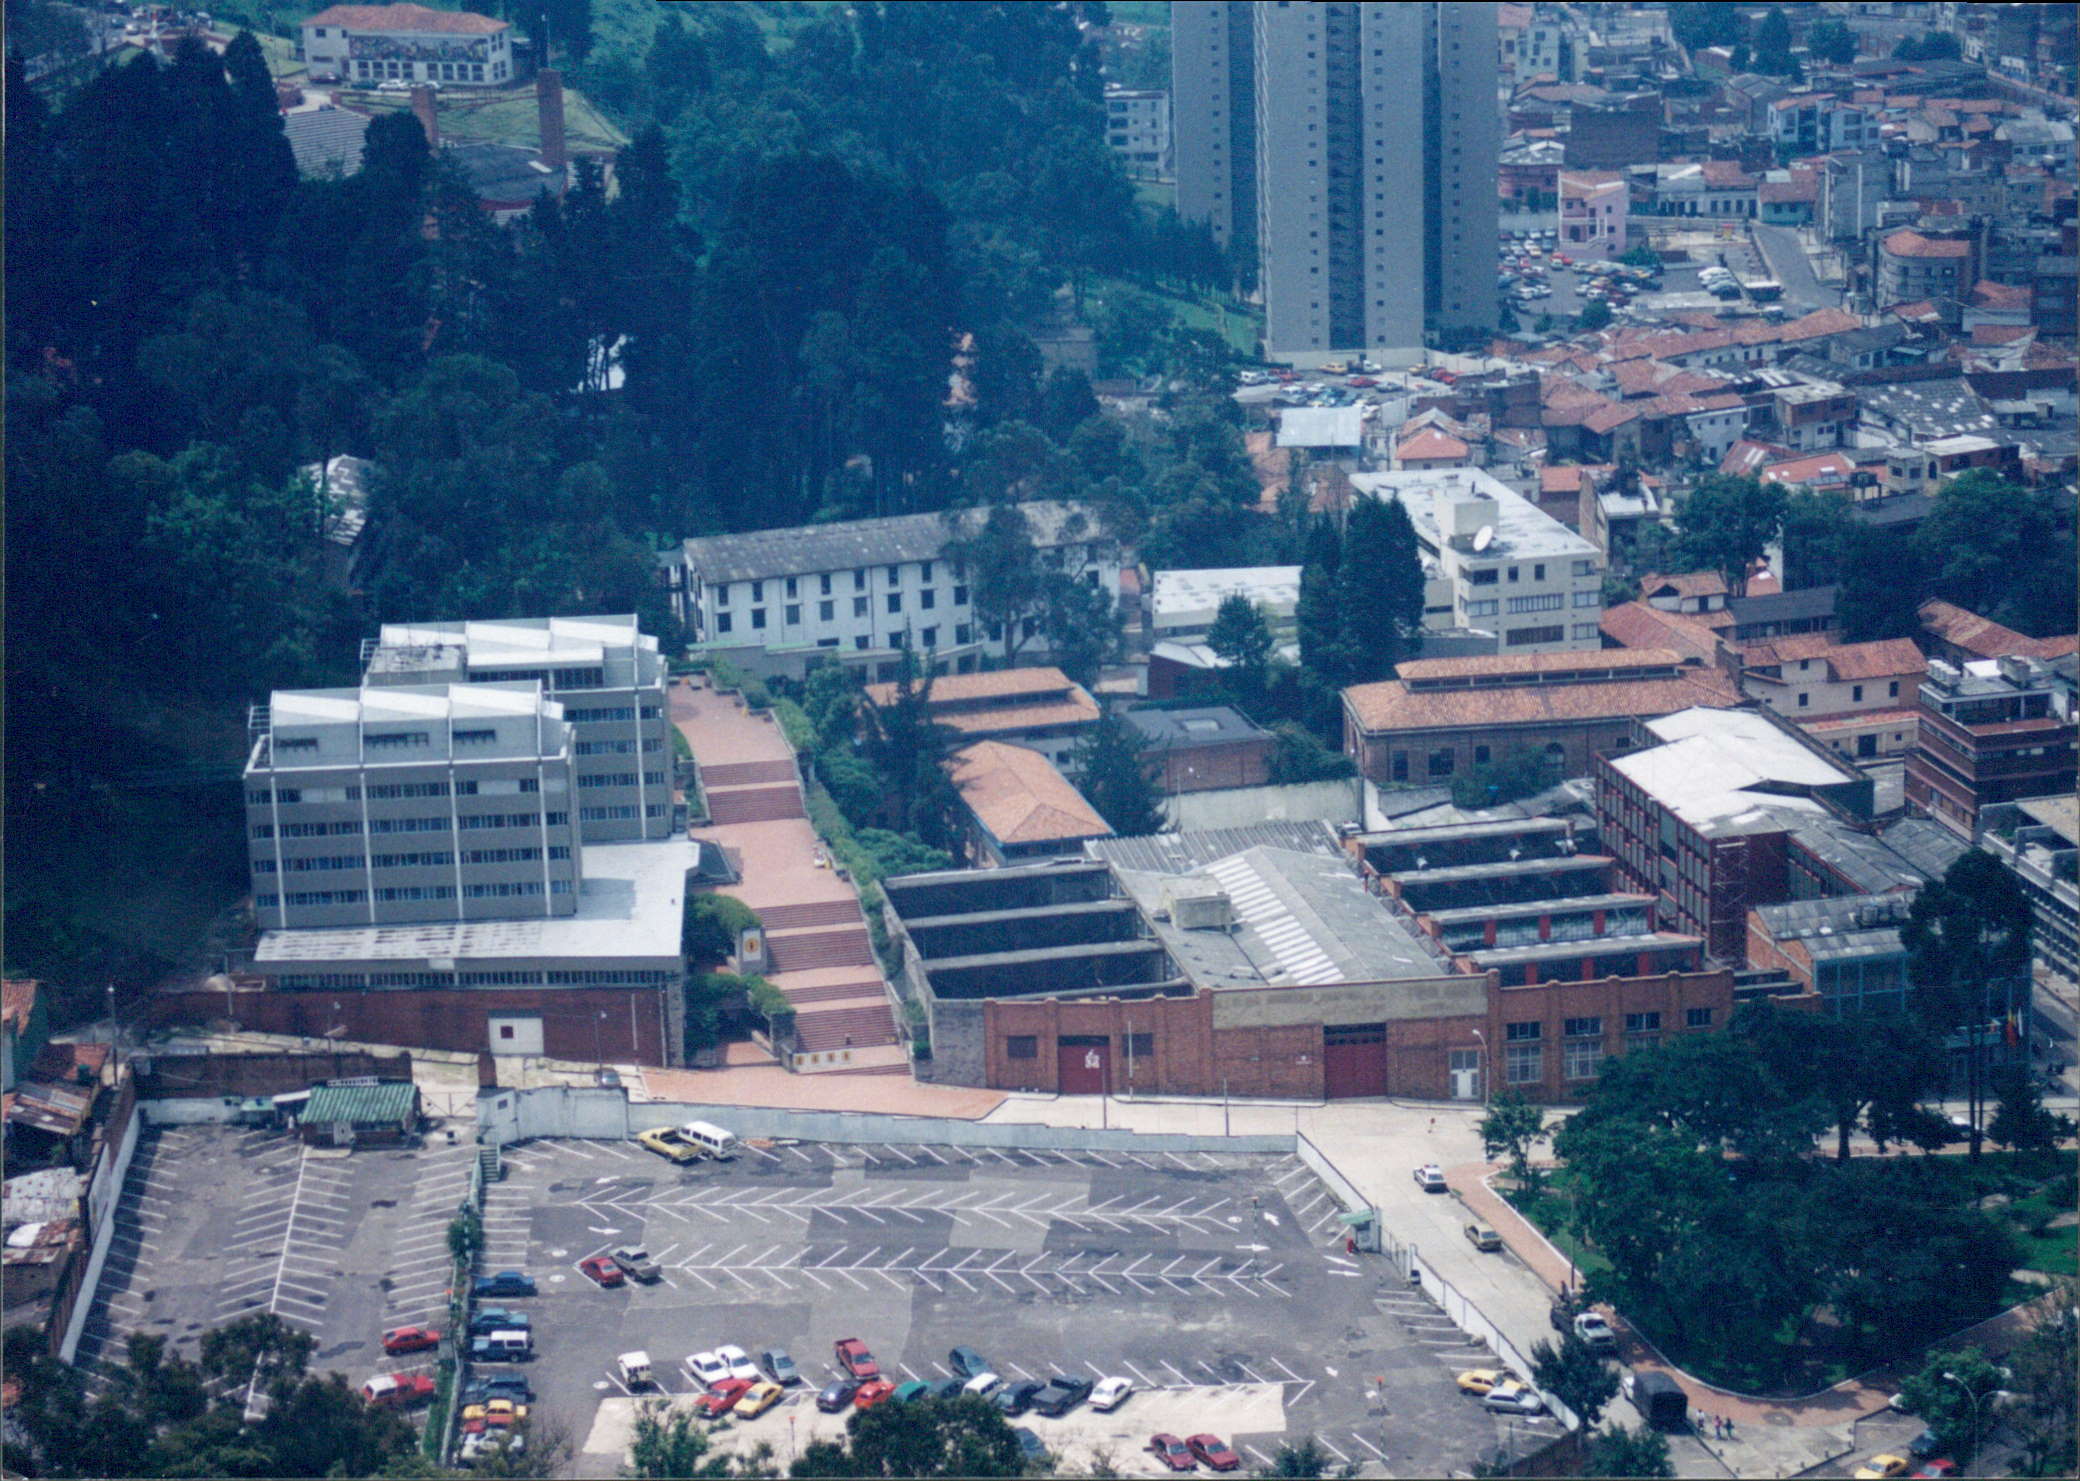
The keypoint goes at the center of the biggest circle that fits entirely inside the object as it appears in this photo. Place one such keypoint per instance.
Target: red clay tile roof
(406, 18)
(1531, 667)
(1563, 479)
(1019, 797)
(1682, 584)
(1921, 311)
(995, 684)
(1725, 173)
(1883, 660)
(1914, 244)
(1748, 455)
(2000, 334)
(1832, 463)
(1637, 625)
(1985, 638)
(1430, 443)
(2001, 295)
(1391, 705)
(1776, 192)
(1078, 709)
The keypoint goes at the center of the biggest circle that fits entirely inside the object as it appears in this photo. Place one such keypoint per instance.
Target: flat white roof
(1964, 442)
(575, 639)
(1712, 761)
(381, 705)
(1522, 529)
(629, 906)
(1321, 426)
(1181, 596)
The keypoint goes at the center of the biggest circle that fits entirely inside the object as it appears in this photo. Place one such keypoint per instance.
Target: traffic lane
(1789, 265)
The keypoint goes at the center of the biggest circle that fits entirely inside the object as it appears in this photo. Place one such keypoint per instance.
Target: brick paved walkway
(822, 958)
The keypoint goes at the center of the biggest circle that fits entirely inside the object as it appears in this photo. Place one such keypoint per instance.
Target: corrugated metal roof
(389, 1102)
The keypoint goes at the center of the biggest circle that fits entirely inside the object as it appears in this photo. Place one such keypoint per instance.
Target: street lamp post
(1977, 1400)
(1487, 1065)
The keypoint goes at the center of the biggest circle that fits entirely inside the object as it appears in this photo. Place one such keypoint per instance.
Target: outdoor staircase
(799, 951)
(490, 1163)
(862, 1024)
(813, 913)
(754, 804)
(746, 773)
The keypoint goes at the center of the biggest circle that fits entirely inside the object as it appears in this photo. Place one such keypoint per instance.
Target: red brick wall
(1767, 953)
(1551, 1004)
(1200, 768)
(1579, 740)
(632, 1031)
(1182, 1029)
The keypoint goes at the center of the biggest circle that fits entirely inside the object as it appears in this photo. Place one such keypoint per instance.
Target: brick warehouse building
(1249, 961)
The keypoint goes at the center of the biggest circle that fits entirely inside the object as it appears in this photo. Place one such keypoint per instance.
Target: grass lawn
(1237, 322)
(1155, 194)
(507, 118)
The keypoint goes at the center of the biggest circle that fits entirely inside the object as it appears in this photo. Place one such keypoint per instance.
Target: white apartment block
(868, 588)
(1377, 135)
(1137, 126)
(439, 802)
(371, 44)
(1213, 117)
(1510, 568)
(607, 673)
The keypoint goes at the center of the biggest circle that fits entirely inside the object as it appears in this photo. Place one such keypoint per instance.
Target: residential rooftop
(1017, 795)
(1719, 771)
(848, 544)
(1392, 705)
(1192, 598)
(1176, 730)
(1522, 531)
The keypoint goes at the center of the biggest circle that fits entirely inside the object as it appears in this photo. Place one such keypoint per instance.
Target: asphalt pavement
(1788, 264)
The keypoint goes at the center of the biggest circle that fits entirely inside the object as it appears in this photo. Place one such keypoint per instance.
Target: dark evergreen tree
(1319, 611)
(1379, 585)
(1112, 773)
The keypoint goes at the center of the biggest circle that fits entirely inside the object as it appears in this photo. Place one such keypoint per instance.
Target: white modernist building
(1509, 568)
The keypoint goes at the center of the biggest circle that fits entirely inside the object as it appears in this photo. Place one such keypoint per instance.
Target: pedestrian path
(822, 957)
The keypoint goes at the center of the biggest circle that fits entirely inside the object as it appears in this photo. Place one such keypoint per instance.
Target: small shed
(376, 1113)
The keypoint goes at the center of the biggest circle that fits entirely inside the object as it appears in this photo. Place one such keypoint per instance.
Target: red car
(1360, 382)
(397, 1390)
(603, 1270)
(873, 1391)
(851, 1354)
(410, 1339)
(1172, 1452)
(719, 1400)
(1935, 1470)
(1212, 1454)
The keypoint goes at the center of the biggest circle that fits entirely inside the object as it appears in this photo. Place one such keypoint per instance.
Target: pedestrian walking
(1729, 1426)
(1433, 1126)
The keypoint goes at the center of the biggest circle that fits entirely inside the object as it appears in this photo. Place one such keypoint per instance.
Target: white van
(710, 1138)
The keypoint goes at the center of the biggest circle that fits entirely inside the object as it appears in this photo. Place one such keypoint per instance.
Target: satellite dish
(1483, 537)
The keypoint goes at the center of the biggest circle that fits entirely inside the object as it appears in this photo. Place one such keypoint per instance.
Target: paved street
(1789, 266)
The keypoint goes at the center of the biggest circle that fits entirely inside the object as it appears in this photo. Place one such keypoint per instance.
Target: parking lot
(1218, 1283)
(216, 1222)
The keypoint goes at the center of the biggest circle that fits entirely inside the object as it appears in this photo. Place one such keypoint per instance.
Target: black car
(837, 1396)
(1014, 1399)
(948, 1388)
(498, 1386)
(1029, 1443)
(1062, 1394)
(967, 1362)
(505, 1283)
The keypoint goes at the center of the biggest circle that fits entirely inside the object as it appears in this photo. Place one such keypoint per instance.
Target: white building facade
(373, 44)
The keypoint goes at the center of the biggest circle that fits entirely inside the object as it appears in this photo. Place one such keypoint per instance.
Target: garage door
(1083, 1064)
(1354, 1059)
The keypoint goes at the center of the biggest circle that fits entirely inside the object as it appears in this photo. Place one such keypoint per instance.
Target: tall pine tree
(1111, 773)
(1379, 591)
(1318, 614)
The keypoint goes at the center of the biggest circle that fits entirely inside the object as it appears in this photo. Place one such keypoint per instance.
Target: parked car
(666, 1142)
(1925, 1444)
(1479, 1381)
(497, 1386)
(1014, 1399)
(507, 1283)
(779, 1366)
(410, 1339)
(873, 1391)
(1430, 1178)
(967, 1362)
(1595, 1331)
(982, 1385)
(501, 1414)
(837, 1396)
(497, 1319)
(1935, 1470)
(1514, 1398)
(1213, 1453)
(602, 1271)
(723, 1397)
(636, 1264)
(948, 1388)
(1879, 1467)
(1029, 1445)
(1659, 1398)
(1111, 1393)
(498, 1442)
(1172, 1452)
(758, 1399)
(739, 1361)
(1062, 1394)
(708, 1369)
(397, 1390)
(502, 1347)
(1481, 1237)
(851, 1354)
(635, 1370)
(911, 1392)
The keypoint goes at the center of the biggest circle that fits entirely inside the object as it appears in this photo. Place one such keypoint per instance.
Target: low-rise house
(1203, 749)
(1957, 636)
(1912, 265)
(369, 44)
(1020, 808)
(1042, 709)
(1856, 698)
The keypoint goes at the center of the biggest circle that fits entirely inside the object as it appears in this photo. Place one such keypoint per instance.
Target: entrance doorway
(1083, 1064)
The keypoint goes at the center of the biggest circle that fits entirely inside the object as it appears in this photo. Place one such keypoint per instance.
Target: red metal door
(1083, 1064)
(1354, 1060)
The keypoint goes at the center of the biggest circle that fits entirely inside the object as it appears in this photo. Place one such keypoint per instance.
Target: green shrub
(711, 925)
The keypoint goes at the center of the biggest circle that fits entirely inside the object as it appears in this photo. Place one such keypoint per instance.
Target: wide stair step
(865, 1026)
(898, 1067)
(813, 913)
(755, 805)
(820, 949)
(745, 773)
(837, 992)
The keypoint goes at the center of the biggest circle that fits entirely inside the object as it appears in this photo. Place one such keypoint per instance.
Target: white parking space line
(1369, 1445)
(1326, 1445)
